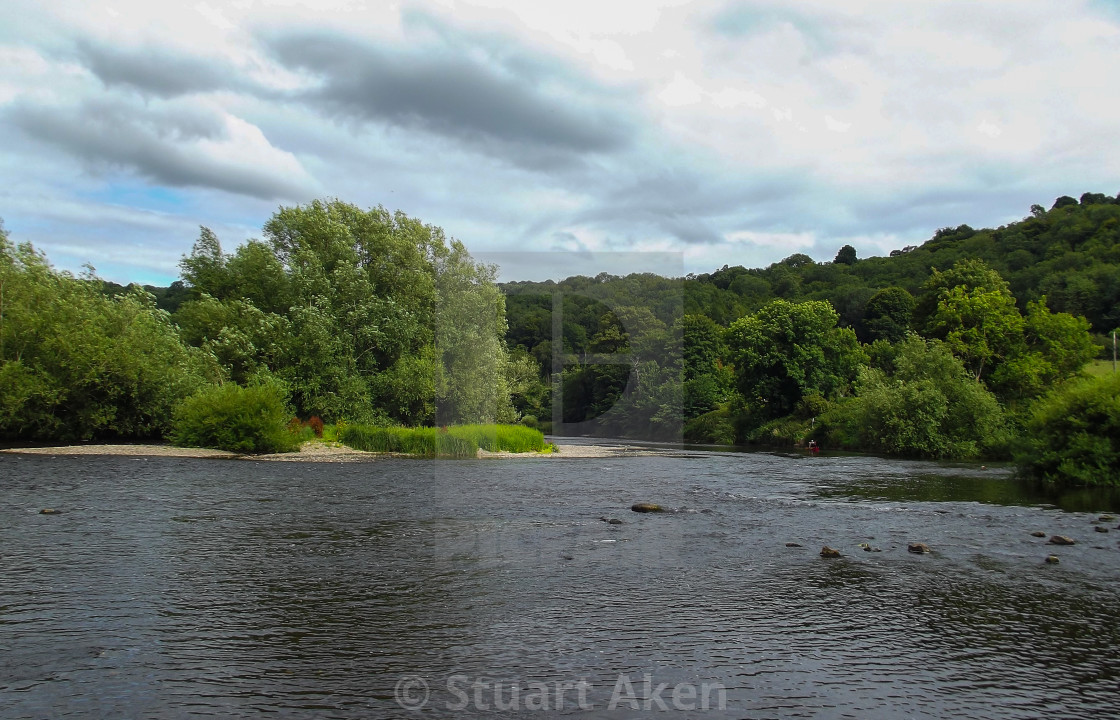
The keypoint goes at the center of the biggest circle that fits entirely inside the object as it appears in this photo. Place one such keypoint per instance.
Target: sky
(724, 132)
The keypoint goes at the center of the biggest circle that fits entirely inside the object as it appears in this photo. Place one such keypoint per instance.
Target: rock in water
(1098, 528)
(1038, 533)
(647, 508)
(48, 511)
(918, 548)
(828, 552)
(1061, 540)
(1052, 560)
(792, 545)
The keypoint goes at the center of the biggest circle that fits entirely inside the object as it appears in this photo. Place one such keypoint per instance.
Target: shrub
(715, 427)
(1072, 437)
(230, 417)
(928, 407)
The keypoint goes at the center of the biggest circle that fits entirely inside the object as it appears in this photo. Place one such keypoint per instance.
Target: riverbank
(318, 451)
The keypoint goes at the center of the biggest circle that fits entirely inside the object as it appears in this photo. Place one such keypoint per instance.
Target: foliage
(1073, 435)
(425, 442)
(888, 315)
(454, 441)
(788, 350)
(929, 406)
(364, 315)
(971, 308)
(250, 419)
(502, 438)
(76, 364)
(712, 428)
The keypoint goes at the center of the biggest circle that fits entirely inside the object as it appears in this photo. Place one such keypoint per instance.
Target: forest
(974, 344)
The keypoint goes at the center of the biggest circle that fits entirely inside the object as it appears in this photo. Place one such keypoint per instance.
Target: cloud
(152, 70)
(179, 145)
(731, 130)
(501, 103)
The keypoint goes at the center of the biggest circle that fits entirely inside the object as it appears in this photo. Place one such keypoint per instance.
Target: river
(174, 588)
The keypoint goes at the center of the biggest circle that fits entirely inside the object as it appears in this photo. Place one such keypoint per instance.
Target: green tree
(929, 406)
(470, 342)
(1055, 347)
(888, 315)
(974, 312)
(846, 256)
(1073, 435)
(787, 350)
(75, 364)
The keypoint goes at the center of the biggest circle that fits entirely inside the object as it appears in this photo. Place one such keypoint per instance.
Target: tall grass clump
(425, 442)
(456, 441)
(510, 438)
(240, 419)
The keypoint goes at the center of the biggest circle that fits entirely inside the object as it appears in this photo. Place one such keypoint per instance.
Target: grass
(457, 441)
(1099, 368)
(496, 438)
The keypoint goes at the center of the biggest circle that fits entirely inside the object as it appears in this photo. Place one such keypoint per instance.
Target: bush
(928, 407)
(230, 417)
(1072, 437)
(714, 428)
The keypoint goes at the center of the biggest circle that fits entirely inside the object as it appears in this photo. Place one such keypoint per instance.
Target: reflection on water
(172, 587)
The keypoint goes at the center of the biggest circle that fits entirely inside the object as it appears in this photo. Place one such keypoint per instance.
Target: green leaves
(75, 364)
(240, 419)
(929, 406)
(1072, 437)
(787, 350)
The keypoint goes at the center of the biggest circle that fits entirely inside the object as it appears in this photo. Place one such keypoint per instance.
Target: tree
(1055, 348)
(971, 308)
(888, 315)
(470, 342)
(787, 350)
(846, 256)
(1073, 435)
(205, 268)
(929, 406)
(75, 364)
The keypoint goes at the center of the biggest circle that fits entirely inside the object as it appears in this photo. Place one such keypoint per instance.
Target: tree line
(363, 316)
(947, 350)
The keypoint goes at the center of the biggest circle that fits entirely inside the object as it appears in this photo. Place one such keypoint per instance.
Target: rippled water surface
(172, 588)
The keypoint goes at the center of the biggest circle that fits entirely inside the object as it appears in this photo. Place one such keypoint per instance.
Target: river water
(171, 587)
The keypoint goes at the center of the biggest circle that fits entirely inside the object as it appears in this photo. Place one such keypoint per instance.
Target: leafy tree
(1073, 435)
(888, 315)
(787, 350)
(846, 256)
(75, 364)
(974, 314)
(470, 342)
(1055, 348)
(928, 406)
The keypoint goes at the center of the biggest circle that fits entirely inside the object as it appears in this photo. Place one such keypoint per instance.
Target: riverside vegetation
(971, 345)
